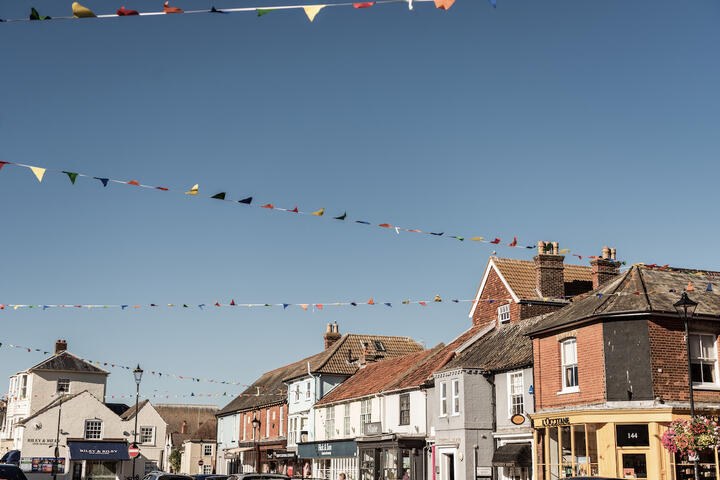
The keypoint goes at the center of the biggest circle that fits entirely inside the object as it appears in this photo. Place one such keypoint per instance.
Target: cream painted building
(93, 439)
(198, 457)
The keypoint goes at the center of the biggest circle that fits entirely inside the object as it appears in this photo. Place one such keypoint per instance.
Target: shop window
(516, 394)
(367, 465)
(568, 350)
(405, 409)
(443, 399)
(389, 464)
(684, 468)
(406, 465)
(703, 359)
(567, 451)
(634, 465)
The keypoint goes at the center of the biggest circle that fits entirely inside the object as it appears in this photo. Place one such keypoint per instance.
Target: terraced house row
(569, 370)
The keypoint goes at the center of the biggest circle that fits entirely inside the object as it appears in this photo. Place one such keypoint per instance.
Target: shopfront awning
(513, 455)
(85, 450)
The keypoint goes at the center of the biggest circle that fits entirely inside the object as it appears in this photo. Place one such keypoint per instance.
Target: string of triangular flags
(260, 388)
(202, 306)
(249, 201)
(311, 11)
(7, 396)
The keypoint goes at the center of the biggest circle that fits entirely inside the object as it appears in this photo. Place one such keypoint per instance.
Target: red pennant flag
(576, 255)
(124, 13)
(169, 9)
(294, 210)
(444, 4)
(217, 304)
(664, 267)
(386, 225)
(497, 240)
(133, 182)
(319, 306)
(161, 188)
(268, 205)
(363, 4)
(232, 302)
(1, 164)
(371, 302)
(423, 304)
(304, 306)
(513, 243)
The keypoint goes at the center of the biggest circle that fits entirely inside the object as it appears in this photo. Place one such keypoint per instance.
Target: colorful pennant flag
(444, 4)
(312, 10)
(169, 9)
(319, 213)
(122, 12)
(194, 190)
(80, 11)
(71, 175)
(264, 11)
(39, 172)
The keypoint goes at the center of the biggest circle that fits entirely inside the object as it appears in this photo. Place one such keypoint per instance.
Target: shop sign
(230, 456)
(343, 449)
(280, 454)
(632, 435)
(517, 419)
(41, 464)
(484, 471)
(40, 441)
(373, 428)
(555, 422)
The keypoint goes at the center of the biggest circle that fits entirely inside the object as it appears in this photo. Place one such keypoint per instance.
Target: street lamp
(137, 373)
(57, 437)
(256, 425)
(686, 309)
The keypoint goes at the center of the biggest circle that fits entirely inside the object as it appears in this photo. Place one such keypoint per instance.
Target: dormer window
(503, 313)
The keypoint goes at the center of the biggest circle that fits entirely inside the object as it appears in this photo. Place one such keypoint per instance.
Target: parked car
(258, 476)
(12, 457)
(210, 476)
(593, 478)
(11, 472)
(167, 476)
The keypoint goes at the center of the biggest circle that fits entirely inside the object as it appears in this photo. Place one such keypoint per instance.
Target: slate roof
(641, 290)
(196, 416)
(67, 362)
(118, 408)
(521, 276)
(335, 359)
(506, 347)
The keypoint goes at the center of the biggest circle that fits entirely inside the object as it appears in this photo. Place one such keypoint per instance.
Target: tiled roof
(503, 348)
(641, 290)
(377, 376)
(195, 417)
(67, 362)
(521, 276)
(130, 412)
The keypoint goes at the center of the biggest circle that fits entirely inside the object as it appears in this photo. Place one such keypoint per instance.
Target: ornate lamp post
(137, 373)
(686, 309)
(256, 426)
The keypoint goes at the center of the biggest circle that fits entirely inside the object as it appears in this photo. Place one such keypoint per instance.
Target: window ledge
(443, 415)
(706, 386)
(569, 390)
(456, 414)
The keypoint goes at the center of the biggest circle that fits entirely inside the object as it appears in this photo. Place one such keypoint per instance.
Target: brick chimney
(331, 335)
(183, 429)
(605, 268)
(549, 276)
(60, 346)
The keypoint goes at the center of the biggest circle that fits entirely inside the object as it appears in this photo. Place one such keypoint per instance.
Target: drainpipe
(433, 462)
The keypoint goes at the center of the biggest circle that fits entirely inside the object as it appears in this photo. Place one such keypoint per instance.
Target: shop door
(632, 464)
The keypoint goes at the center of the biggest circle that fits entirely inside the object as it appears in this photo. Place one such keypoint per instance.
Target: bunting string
(80, 11)
(249, 201)
(279, 395)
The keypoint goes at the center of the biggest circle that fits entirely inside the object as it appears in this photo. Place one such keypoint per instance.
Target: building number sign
(632, 435)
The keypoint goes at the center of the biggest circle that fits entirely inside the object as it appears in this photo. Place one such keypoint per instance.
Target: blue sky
(583, 122)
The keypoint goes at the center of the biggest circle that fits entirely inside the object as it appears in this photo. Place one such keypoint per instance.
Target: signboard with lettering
(341, 449)
(632, 435)
(373, 428)
(555, 422)
(41, 464)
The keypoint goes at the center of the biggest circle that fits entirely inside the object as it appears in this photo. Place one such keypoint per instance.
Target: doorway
(449, 466)
(633, 465)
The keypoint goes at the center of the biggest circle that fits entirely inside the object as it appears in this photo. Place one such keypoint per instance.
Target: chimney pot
(606, 252)
(60, 346)
(331, 335)
(549, 270)
(556, 248)
(604, 269)
(612, 254)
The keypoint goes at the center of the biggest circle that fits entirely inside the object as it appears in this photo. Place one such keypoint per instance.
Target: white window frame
(456, 397)
(400, 408)
(282, 421)
(713, 359)
(62, 381)
(267, 424)
(564, 363)
(329, 422)
(152, 435)
(346, 420)
(85, 431)
(207, 469)
(205, 450)
(503, 313)
(307, 393)
(365, 413)
(511, 376)
(443, 399)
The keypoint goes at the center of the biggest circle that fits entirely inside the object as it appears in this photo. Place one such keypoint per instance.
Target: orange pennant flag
(371, 302)
(386, 225)
(304, 306)
(318, 306)
(690, 287)
(444, 4)
(423, 304)
(513, 243)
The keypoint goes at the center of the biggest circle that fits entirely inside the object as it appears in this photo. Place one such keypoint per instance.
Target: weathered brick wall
(486, 312)
(591, 368)
(550, 278)
(669, 360)
(262, 415)
(533, 310)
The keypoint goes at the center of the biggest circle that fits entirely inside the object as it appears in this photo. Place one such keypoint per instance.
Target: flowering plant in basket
(687, 436)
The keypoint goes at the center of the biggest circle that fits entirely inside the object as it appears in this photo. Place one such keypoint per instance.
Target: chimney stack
(183, 429)
(60, 346)
(332, 335)
(605, 268)
(549, 270)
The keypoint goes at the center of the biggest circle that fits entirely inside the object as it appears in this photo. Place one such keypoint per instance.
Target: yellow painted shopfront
(612, 443)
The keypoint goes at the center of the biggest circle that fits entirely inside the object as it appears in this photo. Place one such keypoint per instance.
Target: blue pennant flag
(103, 180)
(285, 305)
(388, 304)
(201, 306)
(123, 307)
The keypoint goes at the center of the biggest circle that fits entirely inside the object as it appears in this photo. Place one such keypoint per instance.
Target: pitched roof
(641, 290)
(118, 408)
(521, 277)
(67, 362)
(195, 417)
(57, 401)
(503, 348)
(207, 431)
(267, 390)
(130, 412)
(351, 345)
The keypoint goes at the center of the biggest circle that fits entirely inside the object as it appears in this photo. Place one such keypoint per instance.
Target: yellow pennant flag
(477, 239)
(39, 172)
(312, 10)
(319, 213)
(193, 190)
(565, 250)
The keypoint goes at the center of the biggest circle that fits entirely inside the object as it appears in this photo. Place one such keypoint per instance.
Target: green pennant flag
(341, 217)
(263, 11)
(34, 15)
(71, 175)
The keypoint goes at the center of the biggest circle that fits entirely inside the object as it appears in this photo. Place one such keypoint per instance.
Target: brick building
(611, 374)
(513, 290)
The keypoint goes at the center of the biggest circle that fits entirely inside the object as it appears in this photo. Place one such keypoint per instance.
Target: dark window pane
(696, 372)
(708, 373)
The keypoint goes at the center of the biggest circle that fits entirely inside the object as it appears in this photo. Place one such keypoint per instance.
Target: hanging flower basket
(688, 437)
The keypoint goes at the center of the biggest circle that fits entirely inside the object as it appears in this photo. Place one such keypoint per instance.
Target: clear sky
(586, 122)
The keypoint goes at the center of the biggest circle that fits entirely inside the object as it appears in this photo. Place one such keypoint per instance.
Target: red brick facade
(591, 368)
(486, 312)
(269, 426)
